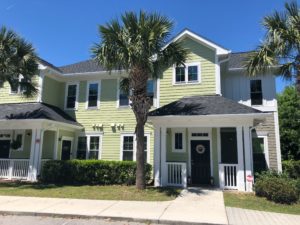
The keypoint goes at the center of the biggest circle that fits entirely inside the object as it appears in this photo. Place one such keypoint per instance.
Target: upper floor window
(93, 95)
(123, 98)
(19, 85)
(256, 92)
(71, 96)
(188, 74)
(150, 90)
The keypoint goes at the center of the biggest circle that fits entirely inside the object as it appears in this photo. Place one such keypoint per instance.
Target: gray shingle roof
(82, 67)
(46, 63)
(203, 105)
(34, 110)
(237, 60)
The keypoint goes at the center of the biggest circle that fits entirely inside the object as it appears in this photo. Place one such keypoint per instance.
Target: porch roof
(203, 105)
(34, 110)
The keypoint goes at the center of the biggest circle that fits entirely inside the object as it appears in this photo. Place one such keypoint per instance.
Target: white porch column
(248, 158)
(157, 182)
(40, 151)
(34, 154)
(240, 170)
(56, 136)
(163, 157)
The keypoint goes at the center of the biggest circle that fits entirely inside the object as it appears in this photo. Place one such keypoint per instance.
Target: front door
(66, 150)
(4, 149)
(200, 161)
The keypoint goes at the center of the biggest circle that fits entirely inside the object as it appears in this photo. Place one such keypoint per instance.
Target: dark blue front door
(200, 160)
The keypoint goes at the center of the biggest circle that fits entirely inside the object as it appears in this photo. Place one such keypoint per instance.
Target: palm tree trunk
(140, 106)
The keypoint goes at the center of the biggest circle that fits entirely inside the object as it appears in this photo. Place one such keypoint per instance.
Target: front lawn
(250, 201)
(109, 192)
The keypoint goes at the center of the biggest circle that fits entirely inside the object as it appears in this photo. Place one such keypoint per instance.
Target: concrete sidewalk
(237, 216)
(193, 206)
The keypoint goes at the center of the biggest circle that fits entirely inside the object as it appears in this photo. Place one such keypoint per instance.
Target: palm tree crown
(281, 45)
(138, 44)
(17, 58)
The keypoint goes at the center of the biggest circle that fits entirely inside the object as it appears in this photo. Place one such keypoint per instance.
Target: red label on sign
(249, 178)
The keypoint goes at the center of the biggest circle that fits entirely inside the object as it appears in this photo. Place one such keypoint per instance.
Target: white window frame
(88, 141)
(19, 88)
(118, 97)
(87, 95)
(16, 133)
(187, 65)
(266, 147)
(183, 132)
(262, 91)
(66, 95)
(134, 145)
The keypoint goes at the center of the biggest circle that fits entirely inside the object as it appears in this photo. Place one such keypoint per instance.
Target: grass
(250, 201)
(110, 192)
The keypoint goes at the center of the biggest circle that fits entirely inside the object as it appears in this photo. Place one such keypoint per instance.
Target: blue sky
(63, 31)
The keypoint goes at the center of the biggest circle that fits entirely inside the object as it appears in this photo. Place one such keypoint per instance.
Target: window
(256, 92)
(188, 74)
(178, 140)
(259, 145)
(93, 95)
(129, 147)
(199, 134)
(88, 147)
(150, 91)
(229, 145)
(71, 97)
(123, 98)
(19, 137)
(18, 87)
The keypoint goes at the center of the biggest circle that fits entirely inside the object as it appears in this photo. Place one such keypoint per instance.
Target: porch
(203, 146)
(28, 139)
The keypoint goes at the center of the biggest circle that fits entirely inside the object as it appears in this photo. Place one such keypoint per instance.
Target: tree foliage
(17, 57)
(289, 121)
(281, 45)
(139, 45)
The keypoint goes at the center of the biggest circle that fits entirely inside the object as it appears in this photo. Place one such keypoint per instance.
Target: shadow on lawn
(168, 191)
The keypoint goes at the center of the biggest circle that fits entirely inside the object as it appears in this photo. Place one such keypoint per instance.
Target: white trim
(186, 82)
(266, 146)
(118, 97)
(217, 75)
(156, 160)
(186, 33)
(66, 138)
(66, 94)
(98, 82)
(183, 132)
(40, 87)
(277, 136)
(88, 136)
(158, 93)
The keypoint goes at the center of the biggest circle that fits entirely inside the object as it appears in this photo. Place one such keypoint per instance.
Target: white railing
(14, 168)
(228, 176)
(176, 174)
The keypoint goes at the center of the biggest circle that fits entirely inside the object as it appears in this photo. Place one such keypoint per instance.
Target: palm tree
(17, 58)
(281, 45)
(137, 44)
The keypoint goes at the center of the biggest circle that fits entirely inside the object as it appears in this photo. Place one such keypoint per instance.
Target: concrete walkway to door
(193, 206)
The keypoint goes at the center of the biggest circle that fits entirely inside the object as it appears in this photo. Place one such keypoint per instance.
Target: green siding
(25, 153)
(48, 145)
(198, 53)
(6, 97)
(53, 92)
(176, 156)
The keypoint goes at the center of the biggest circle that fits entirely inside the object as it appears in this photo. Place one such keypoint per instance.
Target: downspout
(218, 64)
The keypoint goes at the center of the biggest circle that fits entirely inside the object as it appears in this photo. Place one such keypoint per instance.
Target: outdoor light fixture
(113, 125)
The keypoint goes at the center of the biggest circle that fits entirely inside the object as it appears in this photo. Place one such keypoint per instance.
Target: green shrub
(292, 168)
(276, 187)
(91, 172)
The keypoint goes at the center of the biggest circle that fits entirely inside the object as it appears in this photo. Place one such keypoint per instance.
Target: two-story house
(210, 123)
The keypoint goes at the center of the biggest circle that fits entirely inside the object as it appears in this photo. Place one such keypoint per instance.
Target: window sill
(178, 151)
(92, 108)
(186, 83)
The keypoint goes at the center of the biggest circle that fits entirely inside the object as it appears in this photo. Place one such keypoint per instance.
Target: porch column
(56, 136)
(40, 152)
(248, 158)
(157, 182)
(34, 154)
(240, 170)
(163, 158)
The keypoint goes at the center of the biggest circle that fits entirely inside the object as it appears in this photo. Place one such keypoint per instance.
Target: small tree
(137, 44)
(281, 45)
(289, 120)
(17, 58)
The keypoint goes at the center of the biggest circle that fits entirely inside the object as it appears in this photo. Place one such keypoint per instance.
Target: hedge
(91, 172)
(276, 187)
(291, 168)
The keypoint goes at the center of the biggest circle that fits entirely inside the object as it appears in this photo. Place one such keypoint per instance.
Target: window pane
(258, 145)
(145, 148)
(93, 154)
(71, 97)
(150, 90)
(259, 158)
(81, 148)
(94, 143)
(93, 95)
(256, 92)
(228, 145)
(192, 73)
(178, 140)
(256, 98)
(123, 98)
(128, 143)
(180, 77)
(127, 155)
